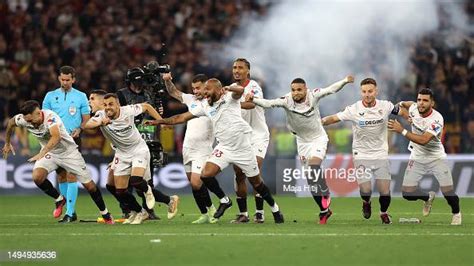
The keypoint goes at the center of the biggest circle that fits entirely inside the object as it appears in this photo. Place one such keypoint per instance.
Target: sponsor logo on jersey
(364, 123)
(51, 120)
(121, 130)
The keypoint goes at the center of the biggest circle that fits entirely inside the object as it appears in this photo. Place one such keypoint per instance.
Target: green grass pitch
(26, 223)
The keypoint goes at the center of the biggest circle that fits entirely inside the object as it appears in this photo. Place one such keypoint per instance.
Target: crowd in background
(101, 39)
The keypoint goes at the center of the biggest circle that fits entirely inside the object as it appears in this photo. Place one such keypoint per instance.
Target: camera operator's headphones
(134, 75)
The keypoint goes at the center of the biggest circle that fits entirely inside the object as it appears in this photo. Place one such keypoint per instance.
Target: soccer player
(58, 151)
(255, 117)
(132, 156)
(197, 145)
(369, 118)
(233, 136)
(304, 121)
(72, 107)
(427, 154)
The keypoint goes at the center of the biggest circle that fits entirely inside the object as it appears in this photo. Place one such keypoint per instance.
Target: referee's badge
(72, 110)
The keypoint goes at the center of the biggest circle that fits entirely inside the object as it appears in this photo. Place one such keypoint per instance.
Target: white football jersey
(199, 130)
(433, 124)
(122, 131)
(369, 127)
(50, 119)
(227, 122)
(255, 117)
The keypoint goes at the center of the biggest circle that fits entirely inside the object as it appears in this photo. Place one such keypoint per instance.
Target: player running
(132, 156)
(59, 151)
(369, 118)
(255, 117)
(304, 121)
(197, 145)
(427, 154)
(233, 137)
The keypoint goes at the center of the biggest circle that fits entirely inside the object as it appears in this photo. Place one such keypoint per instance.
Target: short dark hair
(200, 78)
(28, 107)
(99, 92)
(368, 81)
(111, 95)
(426, 91)
(67, 70)
(247, 63)
(298, 80)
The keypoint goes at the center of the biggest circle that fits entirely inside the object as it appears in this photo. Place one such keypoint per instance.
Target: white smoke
(323, 41)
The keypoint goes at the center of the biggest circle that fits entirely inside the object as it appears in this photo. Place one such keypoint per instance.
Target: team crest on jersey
(51, 120)
(193, 105)
(436, 127)
(72, 110)
(380, 111)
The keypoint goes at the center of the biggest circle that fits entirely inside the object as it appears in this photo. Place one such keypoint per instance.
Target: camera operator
(141, 87)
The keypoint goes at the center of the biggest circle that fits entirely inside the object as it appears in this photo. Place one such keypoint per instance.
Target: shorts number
(410, 163)
(217, 153)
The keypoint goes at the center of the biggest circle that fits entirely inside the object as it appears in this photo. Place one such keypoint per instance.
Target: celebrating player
(369, 118)
(427, 154)
(233, 137)
(304, 121)
(132, 156)
(59, 151)
(255, 117)
(197, 145)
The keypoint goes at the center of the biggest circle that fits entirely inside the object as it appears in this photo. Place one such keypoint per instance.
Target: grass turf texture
(26, 223)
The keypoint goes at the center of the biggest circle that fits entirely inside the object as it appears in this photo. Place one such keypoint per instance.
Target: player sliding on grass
(427, 154)
(304, 121)
(369, 118)
(234, 146)
(58, 151)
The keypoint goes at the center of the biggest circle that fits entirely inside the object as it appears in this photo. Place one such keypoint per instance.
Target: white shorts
(416, 169)
(123, 164)
(260, 148)
(194, 159)
(72, 162)
(316, 148)
(367, 169)
(244, 158)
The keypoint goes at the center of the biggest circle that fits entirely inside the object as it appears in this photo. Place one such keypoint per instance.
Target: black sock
(212, 184)
(138, 183)
(453, 201)
(129, 199)
(416, 195)
(204, 193)
(242, 202)
(258, 202)
(319, 200)
(263, 190)
(142, 196)
(48, 188)
(200, 201)
(97, 198)
(160, 197)
(122, 204)
(366, 196)
(384, 201)
(317, 178)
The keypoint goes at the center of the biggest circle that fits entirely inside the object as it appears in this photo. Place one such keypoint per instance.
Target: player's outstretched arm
(236, 90)
(174, 120)
(7, 148)
(394, 125)
(329, 120)
(147, 108)
(171, 88)
(406, 104)
(53, 141)
(280, 102)
(335, 87)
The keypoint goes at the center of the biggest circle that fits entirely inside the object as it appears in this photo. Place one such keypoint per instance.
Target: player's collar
(363, 103)
(425, 116)
(246, 83)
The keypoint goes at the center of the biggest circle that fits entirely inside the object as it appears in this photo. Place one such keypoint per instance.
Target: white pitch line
(244, 234)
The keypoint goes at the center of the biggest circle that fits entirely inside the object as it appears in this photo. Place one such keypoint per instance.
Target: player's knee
(90, 186)
(196, 183)
(255, 180)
